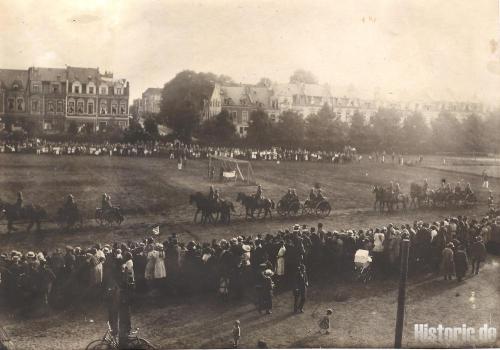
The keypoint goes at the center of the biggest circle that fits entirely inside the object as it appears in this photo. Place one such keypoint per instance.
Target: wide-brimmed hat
(246, 247)
(30, 255)
(268, 272)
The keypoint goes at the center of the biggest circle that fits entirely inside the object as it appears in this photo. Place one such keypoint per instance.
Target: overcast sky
(411, 48)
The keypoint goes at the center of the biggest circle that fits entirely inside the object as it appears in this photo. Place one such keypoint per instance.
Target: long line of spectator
(232, 267)
(173, 151)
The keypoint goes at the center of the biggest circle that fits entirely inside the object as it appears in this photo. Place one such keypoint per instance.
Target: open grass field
(154, 191)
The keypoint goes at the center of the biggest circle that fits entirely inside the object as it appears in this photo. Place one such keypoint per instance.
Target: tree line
(387, 130)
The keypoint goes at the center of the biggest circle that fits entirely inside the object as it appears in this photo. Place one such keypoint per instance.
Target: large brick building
(52, 98)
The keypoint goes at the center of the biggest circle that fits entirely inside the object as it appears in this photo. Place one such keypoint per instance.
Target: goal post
(223, 169)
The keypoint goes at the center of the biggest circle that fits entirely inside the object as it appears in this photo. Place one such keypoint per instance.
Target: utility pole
(405, 248)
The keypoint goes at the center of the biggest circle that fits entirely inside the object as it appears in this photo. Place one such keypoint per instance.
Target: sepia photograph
(223, 174)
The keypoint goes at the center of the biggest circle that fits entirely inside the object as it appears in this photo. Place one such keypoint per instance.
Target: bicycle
(111, 342)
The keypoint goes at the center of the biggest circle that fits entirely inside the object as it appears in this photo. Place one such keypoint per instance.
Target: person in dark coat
(267, 292)
(461, 263)
(300, 291)
(477, 254)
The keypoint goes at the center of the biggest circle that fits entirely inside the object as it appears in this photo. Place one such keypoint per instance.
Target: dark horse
(204, 206)
(252, 204)
(383, 198)
(224, 208)
(32, 214)
(418, 195)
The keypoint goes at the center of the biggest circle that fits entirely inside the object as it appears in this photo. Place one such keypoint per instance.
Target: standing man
(300, 291)
(126, 293)
(477, 254)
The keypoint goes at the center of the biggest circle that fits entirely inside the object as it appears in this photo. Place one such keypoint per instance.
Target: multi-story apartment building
(304, 99)
(151, 101)
(55, 97)
(241, 101)
(14, 94)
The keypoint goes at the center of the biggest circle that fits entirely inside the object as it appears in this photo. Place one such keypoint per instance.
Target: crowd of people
(229, 267)
(174, 150)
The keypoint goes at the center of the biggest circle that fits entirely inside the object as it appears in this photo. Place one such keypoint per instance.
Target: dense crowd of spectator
(173, 151)
(231, 267)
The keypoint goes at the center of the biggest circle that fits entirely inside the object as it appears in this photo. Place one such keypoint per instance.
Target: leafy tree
(325, 129)
(415, 134)
(474, 134)
(358, 132)
(492, 134)
(135, 132)
(290, 131)
(260, 129)
(151, 127)
(218, 130)
(386, 127)
(303, 76)
(183, 98)
(447, 133)
(73, 128)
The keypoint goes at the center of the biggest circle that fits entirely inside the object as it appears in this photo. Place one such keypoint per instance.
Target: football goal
(225, 169)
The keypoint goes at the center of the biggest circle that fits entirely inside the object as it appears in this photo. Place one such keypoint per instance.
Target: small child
(324, 324)
(236, 333)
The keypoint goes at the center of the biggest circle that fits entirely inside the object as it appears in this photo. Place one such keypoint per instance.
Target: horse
(417, 194)
(203, 205)
(251, 204)
(404, 199)
(68, 218)
(383, 198)
(225, 208)
(31, 213)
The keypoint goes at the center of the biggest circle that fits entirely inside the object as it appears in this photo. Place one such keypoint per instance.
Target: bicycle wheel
(100, 344)
(140, 344)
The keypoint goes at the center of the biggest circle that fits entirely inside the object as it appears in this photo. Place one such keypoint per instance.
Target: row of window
(239, 119)
(78, 88)
(78, 107)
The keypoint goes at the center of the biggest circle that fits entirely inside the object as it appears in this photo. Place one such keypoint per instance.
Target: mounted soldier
(425, 187)
(458, 189)
(312, 196)
(319, 196)
(258, 194)
(295, 197)
(211, 193)
(468, 191)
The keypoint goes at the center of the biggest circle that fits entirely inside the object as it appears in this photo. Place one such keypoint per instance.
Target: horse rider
(425, 187)
(216, 196)
(458, 189)
(468, 191)
(70, 206)
(295, 197)
(312, 196)
(258, 194)
(287, 198)
(319, 196)
(397, 189)
(106, 203)
(211, 193)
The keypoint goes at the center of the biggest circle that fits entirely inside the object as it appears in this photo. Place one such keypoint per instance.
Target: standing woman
(280, 262)
(159, 268)
(448, 262)
(149, 273)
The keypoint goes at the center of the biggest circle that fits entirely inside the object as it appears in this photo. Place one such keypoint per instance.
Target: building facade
(53, 98)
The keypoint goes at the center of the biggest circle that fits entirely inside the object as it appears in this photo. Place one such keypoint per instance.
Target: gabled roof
(83, 75)
(47, 74)
(9, 76)
(254, 95)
